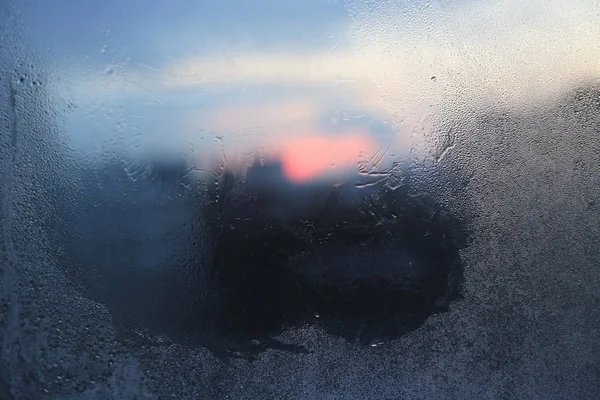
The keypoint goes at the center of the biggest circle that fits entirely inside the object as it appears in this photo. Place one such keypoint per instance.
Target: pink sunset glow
(306, 158)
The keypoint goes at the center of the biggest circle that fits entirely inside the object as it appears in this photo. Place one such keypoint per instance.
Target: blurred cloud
(483, 52)
(269, 68)
(289, 112)
(255, 79)
(508, 53)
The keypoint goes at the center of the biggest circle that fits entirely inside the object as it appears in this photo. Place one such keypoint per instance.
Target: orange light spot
(306, 158)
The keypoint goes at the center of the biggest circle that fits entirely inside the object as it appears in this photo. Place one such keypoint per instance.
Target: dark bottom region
(367, 272)
(233, 274)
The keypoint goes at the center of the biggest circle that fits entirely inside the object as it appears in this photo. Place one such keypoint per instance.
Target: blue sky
(152, 31)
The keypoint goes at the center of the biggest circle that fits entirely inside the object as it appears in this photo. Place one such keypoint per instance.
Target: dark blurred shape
(366, 266)
(263, 255)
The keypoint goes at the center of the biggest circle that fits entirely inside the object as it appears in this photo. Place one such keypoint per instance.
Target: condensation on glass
(299, 199)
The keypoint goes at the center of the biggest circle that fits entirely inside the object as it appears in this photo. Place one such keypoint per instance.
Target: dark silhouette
(230, 266)
(366, 267)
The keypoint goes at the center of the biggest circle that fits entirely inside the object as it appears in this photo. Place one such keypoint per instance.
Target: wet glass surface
(299, 199)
